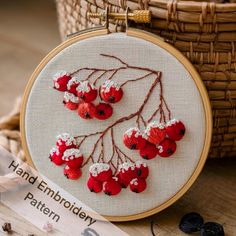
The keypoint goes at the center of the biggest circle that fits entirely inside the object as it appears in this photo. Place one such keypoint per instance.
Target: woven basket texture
(205, 32)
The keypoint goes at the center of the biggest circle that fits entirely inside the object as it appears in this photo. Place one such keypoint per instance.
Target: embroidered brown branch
(95, 75)
(161, 108)
(114, 71)
(116, 149)
(120, 155)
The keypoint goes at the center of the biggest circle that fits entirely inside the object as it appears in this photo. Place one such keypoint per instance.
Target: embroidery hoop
(101, 31)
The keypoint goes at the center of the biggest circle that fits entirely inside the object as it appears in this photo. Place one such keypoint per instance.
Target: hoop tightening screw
(138, 16)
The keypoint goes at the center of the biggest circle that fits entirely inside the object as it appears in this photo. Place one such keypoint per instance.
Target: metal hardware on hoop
(138, 16)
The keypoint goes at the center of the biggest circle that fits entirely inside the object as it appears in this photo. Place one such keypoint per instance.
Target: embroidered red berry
(56, 156)
(70, 101)
(126, 172)
(141, 169)
(155, 132)
(100, 171)
(149, 151)
(65, 141)
(138, 185)
(72, 85)
(73, 158)
(124, 183)
(60, 80)
(103, 111)
(86, 110)
(111, 92)
(134, 139)
(111, 187)
(72, 173)
(86, 91)
(166, 148)
(175, 129)
(94, 185)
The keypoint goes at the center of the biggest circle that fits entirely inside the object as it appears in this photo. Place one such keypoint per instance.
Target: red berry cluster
(158, 139)
(80, 94)
(101, 178)
(66, 152)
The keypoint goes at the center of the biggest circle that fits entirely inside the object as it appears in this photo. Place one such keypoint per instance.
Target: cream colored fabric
(46, 117)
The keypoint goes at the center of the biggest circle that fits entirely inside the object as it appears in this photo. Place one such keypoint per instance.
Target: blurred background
(28, 31)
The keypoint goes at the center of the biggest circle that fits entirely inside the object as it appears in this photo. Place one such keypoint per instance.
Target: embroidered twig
(114, 71)
(137, 114)
(97, 74)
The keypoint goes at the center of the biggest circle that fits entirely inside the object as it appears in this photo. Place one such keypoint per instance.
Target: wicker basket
(203, 31)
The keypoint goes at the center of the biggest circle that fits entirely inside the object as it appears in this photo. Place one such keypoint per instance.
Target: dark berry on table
(191, 222)
(212, 229)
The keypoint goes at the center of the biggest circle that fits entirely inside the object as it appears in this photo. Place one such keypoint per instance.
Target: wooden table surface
(213, 195)
(28, 30)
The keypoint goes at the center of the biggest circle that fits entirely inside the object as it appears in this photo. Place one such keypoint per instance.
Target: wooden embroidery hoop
(189, 67)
